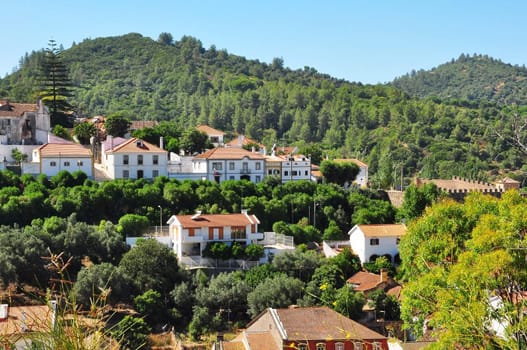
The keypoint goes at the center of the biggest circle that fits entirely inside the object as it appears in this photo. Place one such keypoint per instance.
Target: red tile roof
(364, 281)
(216, 220)
(135, 145)
(10, 109)
(236, 142)
(351, 160)
(388, 230)
(209, 131)
(64, 150)
(222, 153)
(33, 318)
(321, 322)
(142, 124)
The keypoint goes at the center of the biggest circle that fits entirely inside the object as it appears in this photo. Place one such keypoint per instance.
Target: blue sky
(369, 41)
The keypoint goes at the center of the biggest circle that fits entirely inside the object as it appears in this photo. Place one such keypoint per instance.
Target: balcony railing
(245, 171)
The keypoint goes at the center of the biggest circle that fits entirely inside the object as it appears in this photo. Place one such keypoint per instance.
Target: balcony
(192, 239)
(245, 171)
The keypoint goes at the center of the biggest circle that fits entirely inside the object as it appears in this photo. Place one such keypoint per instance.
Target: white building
(361, 179)
(191, 233)
(215, 136)
(371, 241)
(24, 123)
(220, 164)
(288, 168)
(55, 157)
(133, 159)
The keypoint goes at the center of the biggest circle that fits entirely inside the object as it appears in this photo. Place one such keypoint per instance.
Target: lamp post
(160, 219)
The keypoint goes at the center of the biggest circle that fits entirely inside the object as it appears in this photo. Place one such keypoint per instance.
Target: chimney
(110, 138)
(244, 211)
(161, 142)
(384, 275)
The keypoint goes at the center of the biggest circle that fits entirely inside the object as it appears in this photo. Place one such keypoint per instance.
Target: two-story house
(215, 136)
(288, 168)
(220, 164)
(305, 328)
(371, 241)
(23, 123)
(191, 233)
(133, 159)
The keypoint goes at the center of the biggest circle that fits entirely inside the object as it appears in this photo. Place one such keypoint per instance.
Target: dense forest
(182, 82)
(473, 78)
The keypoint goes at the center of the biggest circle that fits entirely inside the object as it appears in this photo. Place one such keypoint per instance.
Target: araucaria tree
(55, 85)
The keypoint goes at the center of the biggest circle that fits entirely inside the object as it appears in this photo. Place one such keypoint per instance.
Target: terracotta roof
(222, 153)
(508, 180)
(112, 142)
(142, 124)
(135, 145)
(351, 160)
(261, 341)
(10, 109)
(55, 139)
(321, 322)
(364, 281)
(233, 345)
(388, 230)
(209, 131)
(33, 318)
(395, 291)
(216, 220)
(64, 150)
(285, 150)
(236, 142)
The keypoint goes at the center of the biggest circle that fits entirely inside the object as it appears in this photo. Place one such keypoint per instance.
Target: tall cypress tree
(56, 87)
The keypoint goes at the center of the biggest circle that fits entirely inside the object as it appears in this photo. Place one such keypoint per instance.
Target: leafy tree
(183, 299)
(254, 251)
(339, 172)
(256, 274)
(131, 332)
(84, 132)
(194, 141)
(133, 225)
(18, 156)
(297, 264)
(151, 305)
(61, 131)
(385, 305)
(473, 251)
(379, 264)
(56, 86)
(117, 125)
(99, 284)
(151, 265)
(349, 303)
(217, 250)
(416, 199)
(277, 291)
(165, 38)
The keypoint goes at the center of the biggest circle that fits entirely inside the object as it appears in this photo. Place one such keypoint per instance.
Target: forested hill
(474, 78)
(183, 82)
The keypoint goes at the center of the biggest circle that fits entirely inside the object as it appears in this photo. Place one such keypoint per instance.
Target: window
(155, 159)
(231, 177)
(140, 159)
(339, 346)
(397, 240)
(269, 172)
(125, 160)
(286, 173)
(295, 173)
(216, 166)
(374, 241)
(357, 345)
(302, 347)
(155, 173)
(52, 163)
(231, 165)
(258, 165)
(80, 163)
(140, 174)
(245, 166)
(321, 346)
(66, 163)
(377, 346)
(126, 174)
(305, 173)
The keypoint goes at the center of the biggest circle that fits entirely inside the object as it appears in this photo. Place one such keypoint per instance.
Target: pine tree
(56, 87)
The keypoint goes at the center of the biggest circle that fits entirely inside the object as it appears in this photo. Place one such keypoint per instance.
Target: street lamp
(160, 219)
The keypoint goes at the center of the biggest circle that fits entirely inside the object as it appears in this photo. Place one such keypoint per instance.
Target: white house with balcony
(220, 164)
(133, 159)
(288, 167)
(191, 233)
(372, 241)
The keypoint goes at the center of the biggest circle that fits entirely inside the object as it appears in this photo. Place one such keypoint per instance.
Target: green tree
(416, 199)
(117, 125)
(254, 251)
(84, 132)
(194, 141)
(165, 38)
(133, 225)
(101, 284)
(131, 333)
(151, 265)
(62, 132)
(277, 291)
(18, 156)
(463, 255)
(151, 306)
(339, 172)
(349, 303)
(56, 87)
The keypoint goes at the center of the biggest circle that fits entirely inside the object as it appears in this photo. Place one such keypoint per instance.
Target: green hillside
(187, 84)
(474, 78)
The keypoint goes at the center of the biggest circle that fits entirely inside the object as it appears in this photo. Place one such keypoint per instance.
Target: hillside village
(194, 199)
(194, 239)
